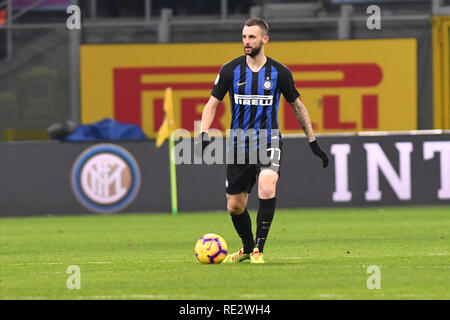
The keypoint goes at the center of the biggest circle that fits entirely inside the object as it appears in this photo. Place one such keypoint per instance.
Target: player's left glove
(319, 152)
(200, 143)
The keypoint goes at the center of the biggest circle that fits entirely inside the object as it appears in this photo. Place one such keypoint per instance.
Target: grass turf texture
(310, 254)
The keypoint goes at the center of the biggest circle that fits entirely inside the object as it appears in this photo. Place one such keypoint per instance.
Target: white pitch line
(53, 263)
(131, 296)
(95, 297)
(327, 296)
(204, 297)
(438, 254)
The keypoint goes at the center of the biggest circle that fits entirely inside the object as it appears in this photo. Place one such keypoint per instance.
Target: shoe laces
(256, 254)
(238, 255)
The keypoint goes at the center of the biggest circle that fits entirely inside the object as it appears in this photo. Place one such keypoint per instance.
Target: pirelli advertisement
(441, 71)
(347, 86)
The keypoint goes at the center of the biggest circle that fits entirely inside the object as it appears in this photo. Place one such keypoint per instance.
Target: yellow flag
(168, 125)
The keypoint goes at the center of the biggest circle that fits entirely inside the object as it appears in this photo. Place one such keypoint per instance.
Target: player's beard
(254, 51)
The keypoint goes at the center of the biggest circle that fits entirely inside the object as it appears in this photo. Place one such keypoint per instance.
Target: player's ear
(266, 38)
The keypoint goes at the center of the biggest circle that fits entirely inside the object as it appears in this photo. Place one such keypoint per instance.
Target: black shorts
(242, 177)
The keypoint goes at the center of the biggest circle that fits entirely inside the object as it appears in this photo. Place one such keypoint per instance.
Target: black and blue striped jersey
(255, 96)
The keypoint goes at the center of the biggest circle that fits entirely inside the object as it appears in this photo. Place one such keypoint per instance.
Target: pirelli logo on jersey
(253, 100)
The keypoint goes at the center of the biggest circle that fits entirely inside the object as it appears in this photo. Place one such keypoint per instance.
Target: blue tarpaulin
(107, 129)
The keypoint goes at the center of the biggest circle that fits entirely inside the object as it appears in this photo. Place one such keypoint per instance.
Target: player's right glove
(319, 152)
(200, 143)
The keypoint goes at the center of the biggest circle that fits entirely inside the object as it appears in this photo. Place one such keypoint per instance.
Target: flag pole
(173, 176)
(165, 132)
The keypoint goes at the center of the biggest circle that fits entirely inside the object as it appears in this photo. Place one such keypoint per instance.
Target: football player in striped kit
(254, 83)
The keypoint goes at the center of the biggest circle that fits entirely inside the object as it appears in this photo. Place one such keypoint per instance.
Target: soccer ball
(211, 248)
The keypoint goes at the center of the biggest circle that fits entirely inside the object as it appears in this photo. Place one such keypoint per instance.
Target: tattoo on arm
(302, 116)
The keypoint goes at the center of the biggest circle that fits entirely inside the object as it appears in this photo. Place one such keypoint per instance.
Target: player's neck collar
(259, 65)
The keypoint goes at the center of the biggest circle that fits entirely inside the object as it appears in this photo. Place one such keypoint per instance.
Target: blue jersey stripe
(260, 109)
(247, 108)
(260, 92)
(274, 78)
(235, 116)
(276, 96)
(269, 121)
(248, 91)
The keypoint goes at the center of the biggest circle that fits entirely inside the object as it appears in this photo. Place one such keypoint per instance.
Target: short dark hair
(255, 21)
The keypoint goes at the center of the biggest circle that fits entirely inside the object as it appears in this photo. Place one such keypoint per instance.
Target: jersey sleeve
(287, 86)
(222, 83)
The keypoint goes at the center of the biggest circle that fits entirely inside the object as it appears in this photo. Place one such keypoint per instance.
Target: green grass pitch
(310, 254)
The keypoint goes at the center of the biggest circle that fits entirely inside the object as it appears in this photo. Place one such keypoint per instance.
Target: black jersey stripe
(274, 111)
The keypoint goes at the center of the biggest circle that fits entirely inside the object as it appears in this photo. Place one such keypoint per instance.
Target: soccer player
(254, 82)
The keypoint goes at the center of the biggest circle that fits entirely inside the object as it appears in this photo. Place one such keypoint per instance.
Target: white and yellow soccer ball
(211, 248)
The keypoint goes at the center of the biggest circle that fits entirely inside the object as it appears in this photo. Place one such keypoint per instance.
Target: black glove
(200, 143)
(319, 152)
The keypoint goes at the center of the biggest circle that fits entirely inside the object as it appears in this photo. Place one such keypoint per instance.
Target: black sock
(243, 225)
(264, 220)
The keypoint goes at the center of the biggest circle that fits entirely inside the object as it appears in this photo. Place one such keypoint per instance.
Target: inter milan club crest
(106, 178)
(267, 84)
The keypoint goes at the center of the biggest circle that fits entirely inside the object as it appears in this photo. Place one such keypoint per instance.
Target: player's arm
(302, 115)
(221, 86)
(291, 94)
(209, 112)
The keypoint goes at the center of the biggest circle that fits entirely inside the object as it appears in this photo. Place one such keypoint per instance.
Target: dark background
(36, 177)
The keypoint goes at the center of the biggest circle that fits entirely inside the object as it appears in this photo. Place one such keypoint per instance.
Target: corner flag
(168, 125)
(165, 132)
